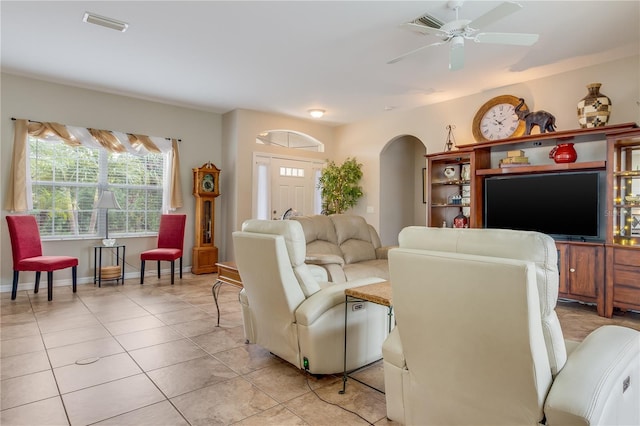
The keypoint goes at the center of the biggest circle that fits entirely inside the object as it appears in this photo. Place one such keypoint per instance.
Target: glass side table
(113, 272)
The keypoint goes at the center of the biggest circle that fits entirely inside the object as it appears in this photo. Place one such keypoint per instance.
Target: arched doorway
(401, 187)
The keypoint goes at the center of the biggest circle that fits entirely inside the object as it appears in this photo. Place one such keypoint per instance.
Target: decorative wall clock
(496, 119)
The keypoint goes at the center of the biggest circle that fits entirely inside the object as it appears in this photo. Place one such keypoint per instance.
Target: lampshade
(108, 201)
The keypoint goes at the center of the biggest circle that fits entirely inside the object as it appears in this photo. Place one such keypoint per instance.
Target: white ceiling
(287, 57)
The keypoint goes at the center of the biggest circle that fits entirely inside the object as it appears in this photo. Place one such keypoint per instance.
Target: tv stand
(586, 268)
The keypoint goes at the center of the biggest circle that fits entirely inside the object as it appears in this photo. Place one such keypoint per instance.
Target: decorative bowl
(109, 242)
(632, 198)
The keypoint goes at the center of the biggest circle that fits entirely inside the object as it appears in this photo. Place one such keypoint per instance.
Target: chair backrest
(270, 257)
(354, 238)
(171, 232)
(320, 234)
(471, 336)
(505, 243)
(25, 237)
(294, 242)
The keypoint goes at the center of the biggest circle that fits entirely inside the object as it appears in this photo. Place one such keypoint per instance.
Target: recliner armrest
(320, 302)
(600, 382)
(324, 259)
(332, 263)
(383, 252)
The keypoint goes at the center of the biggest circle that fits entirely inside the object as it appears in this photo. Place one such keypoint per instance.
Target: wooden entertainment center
(606, 272)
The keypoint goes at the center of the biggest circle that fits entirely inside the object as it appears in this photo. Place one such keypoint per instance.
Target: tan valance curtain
(19, 192)
(145, 141)
(107, 140)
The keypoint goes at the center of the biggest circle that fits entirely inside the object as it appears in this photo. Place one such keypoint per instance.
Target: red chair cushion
(167, 254)
(46, 263)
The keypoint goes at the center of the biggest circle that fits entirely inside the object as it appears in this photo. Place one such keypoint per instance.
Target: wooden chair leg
(158, 269)
(37, 287)
(142, 272)
(49, 286)
(74, 277)
(173, 264)
(14, 289)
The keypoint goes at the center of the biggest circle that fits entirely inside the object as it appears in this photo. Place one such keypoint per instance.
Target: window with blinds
(67, 181)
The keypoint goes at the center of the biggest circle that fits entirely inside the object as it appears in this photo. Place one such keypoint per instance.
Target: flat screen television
(567, 206)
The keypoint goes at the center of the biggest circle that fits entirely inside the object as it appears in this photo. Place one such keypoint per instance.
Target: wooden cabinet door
(581, 267)
(585, 269)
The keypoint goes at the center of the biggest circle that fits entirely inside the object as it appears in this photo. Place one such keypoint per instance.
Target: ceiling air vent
(103, 21)
(429, 21)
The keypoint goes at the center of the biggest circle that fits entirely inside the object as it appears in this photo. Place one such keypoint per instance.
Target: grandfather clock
(206, 187)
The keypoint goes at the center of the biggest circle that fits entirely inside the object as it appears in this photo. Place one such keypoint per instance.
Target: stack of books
(514, 159)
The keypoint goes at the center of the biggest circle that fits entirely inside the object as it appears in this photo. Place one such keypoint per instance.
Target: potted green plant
(339, 185)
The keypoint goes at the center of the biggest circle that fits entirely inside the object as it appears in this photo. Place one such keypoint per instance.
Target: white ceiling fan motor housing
(457, 42)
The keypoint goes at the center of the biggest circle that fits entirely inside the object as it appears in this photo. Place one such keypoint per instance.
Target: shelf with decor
(623, 222)
(451, 184)
(587, 261)
(586, 165)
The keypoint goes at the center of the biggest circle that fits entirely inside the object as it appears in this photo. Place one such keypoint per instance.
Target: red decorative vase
(564, 153)
(460, 221)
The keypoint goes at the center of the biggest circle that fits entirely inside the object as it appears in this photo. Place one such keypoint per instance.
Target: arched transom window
(290, 139)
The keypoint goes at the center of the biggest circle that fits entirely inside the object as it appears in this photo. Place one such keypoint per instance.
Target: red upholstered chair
(27, 254)
(170, 242)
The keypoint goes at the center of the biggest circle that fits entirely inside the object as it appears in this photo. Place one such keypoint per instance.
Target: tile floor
(152, 355)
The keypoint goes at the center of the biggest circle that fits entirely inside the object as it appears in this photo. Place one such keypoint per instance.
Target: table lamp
(108, 201)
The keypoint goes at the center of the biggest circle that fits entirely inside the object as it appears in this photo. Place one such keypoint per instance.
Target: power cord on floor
(307, 374)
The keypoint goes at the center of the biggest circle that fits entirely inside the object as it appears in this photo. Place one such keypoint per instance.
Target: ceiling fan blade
(499, 12)
(456, 55)
(518, 39)
(401, 57)
(423, 29)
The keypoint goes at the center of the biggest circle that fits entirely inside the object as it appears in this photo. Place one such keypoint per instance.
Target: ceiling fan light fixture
(103, 21)
(457, 42)
(316, 113)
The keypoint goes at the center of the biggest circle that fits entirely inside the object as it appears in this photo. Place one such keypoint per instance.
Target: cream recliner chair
(288, 311)
(478, 341)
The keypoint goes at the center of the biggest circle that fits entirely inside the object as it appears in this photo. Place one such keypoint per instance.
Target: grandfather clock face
(208, 182)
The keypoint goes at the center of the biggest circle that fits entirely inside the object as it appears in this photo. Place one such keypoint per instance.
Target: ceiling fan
(455, 32)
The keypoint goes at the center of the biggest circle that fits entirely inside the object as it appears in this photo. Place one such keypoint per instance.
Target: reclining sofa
(478, 341)
(345, 245)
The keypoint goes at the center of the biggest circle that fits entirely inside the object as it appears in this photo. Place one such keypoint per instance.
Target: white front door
(283, 183)
(292, 187)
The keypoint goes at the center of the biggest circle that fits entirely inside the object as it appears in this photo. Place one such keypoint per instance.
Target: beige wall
(240, 129)
(201, 134)
(557, 94)
(229, 142)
